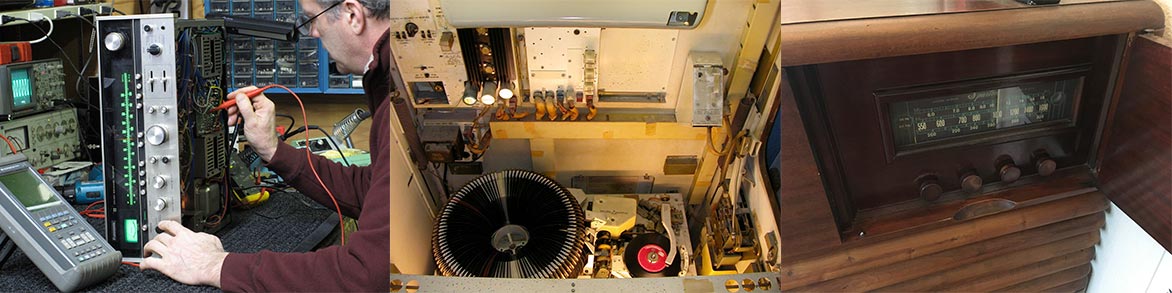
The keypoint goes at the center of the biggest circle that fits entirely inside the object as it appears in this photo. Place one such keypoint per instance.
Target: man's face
(334, 32)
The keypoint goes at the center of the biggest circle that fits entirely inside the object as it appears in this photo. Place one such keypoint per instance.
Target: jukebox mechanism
(638, 235)
(520, 224)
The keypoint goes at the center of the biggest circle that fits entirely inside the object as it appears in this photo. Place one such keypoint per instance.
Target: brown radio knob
(1008, 171)
(930, 189)
(1044, 163)
(970, 182)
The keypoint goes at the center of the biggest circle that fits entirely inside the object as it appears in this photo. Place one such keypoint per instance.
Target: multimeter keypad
(77, 241)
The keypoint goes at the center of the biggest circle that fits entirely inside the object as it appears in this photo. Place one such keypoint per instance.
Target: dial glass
(921, 121)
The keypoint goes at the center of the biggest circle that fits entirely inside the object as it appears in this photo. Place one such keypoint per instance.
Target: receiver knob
(114, 41)
(970, 182)
(1008, 171)
(156, 135)
(154, 49)
(1044, 163)
(160, 181)
(930, 189)
(160, 204)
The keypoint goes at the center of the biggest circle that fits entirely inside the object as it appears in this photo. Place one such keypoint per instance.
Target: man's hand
(188, 257)
(259, 115)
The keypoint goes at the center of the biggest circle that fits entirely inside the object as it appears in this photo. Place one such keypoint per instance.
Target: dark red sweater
(362, 192)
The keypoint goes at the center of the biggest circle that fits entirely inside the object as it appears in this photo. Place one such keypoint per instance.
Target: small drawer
(263, 82)
(307, 43)
(243, 69)
(241, 8)
(285, 17)
(240, 82)
(286, 46)
(356, 81)
(304, 55)
(308, 68)
(221, 7)
(286, 68)
(289, 6)
(267, 69)
(263, 15)
(244, 44)
(262, 7)
(264, 45)
(265, 56)
(339, 81)
(287, 81)
(287, 56)
(241, 57)
(308, 81)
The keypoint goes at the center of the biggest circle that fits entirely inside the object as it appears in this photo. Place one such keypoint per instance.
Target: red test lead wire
(308, 157)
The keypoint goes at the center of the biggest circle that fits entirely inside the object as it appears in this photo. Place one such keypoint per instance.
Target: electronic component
(47, 139)
(430, 60)
(707, 89)
(57, 239)
(30, 87)
(732, 245)
(140, 127)
(513, 223)
(489, 65)
(85, 192)
(442, 143)
(617, 213)
(203, 137)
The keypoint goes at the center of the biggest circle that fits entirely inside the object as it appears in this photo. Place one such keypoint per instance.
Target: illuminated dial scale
(939, 118)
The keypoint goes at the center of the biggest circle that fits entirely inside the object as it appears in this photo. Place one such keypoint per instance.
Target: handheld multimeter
(57, 239)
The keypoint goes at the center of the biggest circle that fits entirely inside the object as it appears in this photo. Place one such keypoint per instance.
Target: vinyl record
(646, 256)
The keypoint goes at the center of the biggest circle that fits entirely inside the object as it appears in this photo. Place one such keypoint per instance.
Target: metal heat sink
(511, 224)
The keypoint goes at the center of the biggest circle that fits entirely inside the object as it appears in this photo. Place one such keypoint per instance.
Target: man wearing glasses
(356, 33)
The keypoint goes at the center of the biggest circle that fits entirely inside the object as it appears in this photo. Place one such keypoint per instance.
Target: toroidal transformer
(511, 224)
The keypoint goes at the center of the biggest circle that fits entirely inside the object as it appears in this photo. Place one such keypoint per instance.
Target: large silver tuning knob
(114, 41)
(156, 135)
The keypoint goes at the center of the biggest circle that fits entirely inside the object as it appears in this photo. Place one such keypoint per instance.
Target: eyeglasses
(306, 25)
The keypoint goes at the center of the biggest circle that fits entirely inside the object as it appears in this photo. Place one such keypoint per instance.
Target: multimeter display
(33, 196)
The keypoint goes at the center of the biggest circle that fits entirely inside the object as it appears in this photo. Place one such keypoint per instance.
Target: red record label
(652, 258)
